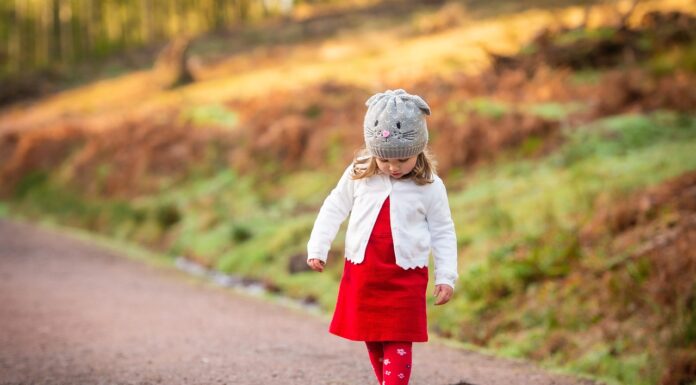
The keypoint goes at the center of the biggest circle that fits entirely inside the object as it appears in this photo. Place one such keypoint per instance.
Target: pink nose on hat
(385, 133)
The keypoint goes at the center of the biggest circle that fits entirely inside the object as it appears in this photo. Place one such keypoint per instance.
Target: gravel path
(76, 313)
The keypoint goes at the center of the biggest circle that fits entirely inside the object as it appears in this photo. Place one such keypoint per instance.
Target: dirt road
(75, 313)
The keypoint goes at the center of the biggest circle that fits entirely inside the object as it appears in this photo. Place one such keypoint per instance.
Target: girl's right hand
(316, 264)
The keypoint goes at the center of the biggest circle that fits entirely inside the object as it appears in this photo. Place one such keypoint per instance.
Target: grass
(496, 109)
(210, 115)
(518, 226)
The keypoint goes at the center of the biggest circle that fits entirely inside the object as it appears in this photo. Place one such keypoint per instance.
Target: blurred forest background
(212, 130)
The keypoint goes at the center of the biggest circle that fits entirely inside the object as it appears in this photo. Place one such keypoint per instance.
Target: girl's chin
(395, 176)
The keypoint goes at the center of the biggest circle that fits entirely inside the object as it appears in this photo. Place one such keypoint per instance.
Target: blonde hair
(365, 166)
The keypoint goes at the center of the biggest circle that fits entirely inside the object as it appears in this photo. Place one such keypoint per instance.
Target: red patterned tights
(391, 361)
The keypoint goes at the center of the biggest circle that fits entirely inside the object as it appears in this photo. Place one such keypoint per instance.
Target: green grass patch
(624, 369)
(210, 115)
(572, 36)
(496, 109)
(681, 57)
(553, 110)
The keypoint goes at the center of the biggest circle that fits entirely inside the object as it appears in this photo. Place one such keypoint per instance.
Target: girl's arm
(442, 237)
(333, 212)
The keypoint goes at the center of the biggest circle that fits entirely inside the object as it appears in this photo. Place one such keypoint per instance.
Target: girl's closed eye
(404, 160)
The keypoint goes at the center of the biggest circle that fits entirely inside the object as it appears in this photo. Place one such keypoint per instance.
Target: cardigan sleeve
(442, 236)
(333, 212)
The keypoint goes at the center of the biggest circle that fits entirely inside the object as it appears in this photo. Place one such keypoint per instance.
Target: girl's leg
(376, 352)
(397, 362)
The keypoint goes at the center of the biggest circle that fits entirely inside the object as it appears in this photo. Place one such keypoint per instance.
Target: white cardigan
(420, 221)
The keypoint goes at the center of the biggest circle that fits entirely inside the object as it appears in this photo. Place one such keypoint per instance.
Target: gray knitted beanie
(395, 125)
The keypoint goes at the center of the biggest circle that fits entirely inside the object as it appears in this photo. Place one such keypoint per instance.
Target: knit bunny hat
(395, 125)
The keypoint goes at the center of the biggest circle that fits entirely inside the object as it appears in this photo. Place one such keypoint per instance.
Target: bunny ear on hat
(419, 102)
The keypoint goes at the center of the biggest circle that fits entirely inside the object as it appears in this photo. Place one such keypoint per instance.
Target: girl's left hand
(443, 294)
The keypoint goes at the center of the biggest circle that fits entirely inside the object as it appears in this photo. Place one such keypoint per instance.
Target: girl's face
(396, 168)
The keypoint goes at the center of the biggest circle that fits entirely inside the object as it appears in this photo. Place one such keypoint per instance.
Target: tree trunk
(172, 68)
(146, 21)
(219, 14)
(56, 46)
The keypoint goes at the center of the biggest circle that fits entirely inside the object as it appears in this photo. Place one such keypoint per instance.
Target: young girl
(398, 214)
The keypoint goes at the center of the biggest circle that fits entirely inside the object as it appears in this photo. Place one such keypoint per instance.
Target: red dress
(377, 299)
